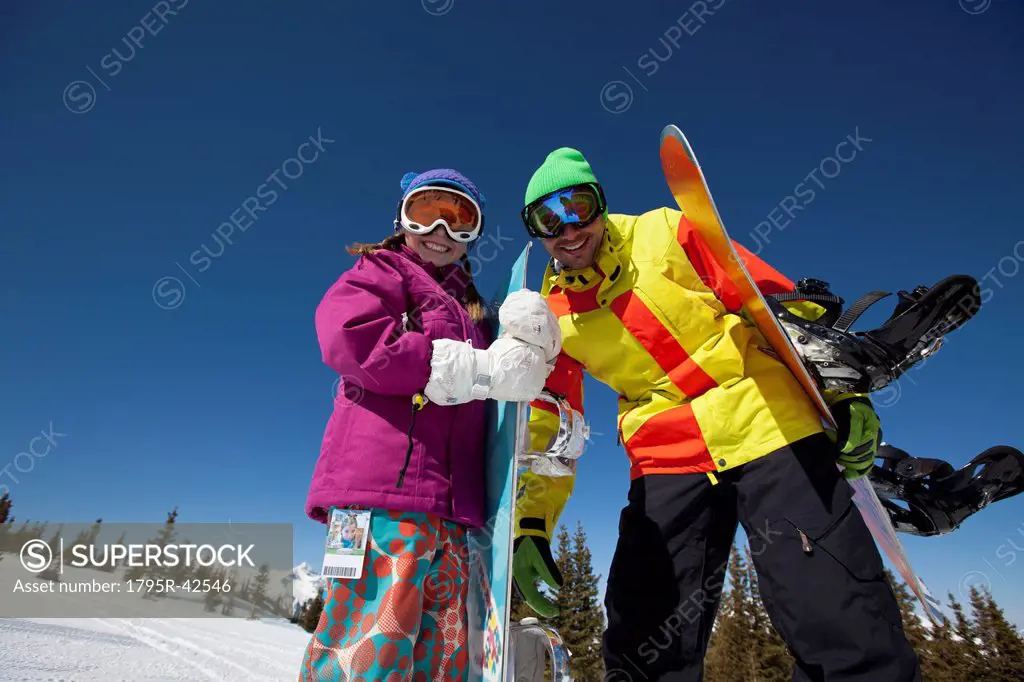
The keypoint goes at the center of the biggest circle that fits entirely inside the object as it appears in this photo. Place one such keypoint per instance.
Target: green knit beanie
(563, 167)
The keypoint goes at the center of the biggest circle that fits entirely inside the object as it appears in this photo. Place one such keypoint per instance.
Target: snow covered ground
(153, 649)
(150, 649)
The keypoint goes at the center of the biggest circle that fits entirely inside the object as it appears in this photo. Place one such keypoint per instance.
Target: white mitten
(509, 370)
(526, 315)
(518, 370)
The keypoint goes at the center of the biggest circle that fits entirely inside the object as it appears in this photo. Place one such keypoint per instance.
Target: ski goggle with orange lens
(427, 207)
(578, 205)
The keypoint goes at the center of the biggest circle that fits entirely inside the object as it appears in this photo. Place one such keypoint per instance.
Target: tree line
(977, 644)
(251, 594)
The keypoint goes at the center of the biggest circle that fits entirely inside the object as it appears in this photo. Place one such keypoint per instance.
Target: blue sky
(122, 165)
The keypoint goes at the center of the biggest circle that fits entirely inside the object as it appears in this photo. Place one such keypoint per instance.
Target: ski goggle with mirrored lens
(578, 205)
(427, 207)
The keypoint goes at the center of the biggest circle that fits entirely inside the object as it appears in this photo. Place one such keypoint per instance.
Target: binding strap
(815, 298)
(858, 308)
(830, 302)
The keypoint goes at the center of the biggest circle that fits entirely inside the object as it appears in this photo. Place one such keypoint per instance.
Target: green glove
(532, 561)
(858, 436)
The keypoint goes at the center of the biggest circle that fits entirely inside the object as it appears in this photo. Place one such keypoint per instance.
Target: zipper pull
(806, 543)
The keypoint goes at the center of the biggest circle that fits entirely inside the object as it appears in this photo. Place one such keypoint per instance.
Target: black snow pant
(819, 572)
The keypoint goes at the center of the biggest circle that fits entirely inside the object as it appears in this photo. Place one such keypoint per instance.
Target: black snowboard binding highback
(868, 361)
(929, 497)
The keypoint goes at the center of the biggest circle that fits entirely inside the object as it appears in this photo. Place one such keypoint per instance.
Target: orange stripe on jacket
(669, 442)
(657, 340)
(567, 302)
(768, 279)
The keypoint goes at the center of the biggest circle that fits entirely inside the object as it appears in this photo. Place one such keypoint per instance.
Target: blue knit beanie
(444, 177)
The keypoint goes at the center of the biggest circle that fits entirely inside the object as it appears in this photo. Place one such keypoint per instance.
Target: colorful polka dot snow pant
(405, 619)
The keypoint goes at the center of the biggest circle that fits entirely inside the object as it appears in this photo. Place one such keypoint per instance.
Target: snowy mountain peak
(304, 569)
(306, 583)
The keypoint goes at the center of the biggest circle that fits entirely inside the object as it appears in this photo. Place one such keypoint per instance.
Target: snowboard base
(490, 547)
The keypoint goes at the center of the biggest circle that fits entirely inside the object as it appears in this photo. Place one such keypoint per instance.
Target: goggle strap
(443, 188)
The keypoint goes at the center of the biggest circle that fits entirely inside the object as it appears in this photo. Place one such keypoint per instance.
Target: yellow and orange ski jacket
(700, 390)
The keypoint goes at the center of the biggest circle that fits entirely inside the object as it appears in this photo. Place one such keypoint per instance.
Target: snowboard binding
(534, 646)
(929, 497)
(862, 362)
(560, 457)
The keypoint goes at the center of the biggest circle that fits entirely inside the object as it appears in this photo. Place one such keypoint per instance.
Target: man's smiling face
(575, 248)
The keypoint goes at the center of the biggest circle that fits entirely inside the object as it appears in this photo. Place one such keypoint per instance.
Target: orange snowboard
(690, 190)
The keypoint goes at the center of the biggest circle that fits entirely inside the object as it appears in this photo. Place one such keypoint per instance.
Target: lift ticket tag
(348, 533)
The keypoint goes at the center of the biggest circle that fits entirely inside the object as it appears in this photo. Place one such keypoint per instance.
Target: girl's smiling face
(437, 247)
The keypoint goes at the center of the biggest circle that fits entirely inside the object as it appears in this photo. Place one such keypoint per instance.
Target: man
(718, 433)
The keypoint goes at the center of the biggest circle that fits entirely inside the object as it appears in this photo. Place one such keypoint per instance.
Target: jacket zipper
(618, 440)
(419, 401)
(417, 405)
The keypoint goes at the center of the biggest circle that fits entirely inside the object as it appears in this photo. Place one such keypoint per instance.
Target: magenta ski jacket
(375, 326)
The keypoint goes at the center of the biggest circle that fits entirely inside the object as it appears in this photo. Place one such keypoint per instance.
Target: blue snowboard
(490, 547)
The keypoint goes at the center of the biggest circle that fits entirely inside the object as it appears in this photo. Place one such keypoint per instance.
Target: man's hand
(532, 561)
(859, 433)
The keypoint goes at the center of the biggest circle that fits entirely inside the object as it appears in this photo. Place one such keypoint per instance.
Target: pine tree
(229, 604)
(88, 537)
(140, 571)
(589, 618)
(299, 612)
(970, 661)
(164, 537)
(1000, 643)
(580, 620)
(113, 565)
(312, 616)
(712, 657)
(243, 592)
(729, 659)
(52, 571)
(6, 520)
(5, 508)
(912, 625)
(944, 659)
(772, 660)
(562, 556)
(259, 589)
(212, 600)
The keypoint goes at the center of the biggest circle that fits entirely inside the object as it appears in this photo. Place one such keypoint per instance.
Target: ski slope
(150, 649)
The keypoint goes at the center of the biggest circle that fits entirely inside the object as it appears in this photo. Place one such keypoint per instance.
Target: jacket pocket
(844, 537)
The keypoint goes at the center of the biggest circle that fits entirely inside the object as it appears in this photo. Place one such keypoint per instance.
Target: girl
(406, 330)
